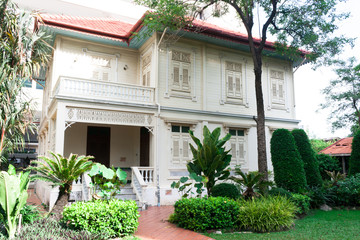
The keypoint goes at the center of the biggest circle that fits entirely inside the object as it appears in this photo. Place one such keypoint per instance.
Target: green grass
(337, 224)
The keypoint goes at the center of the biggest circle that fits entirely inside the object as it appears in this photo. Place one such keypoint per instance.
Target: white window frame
(238, 145)
(182, 63)
(235, 71)
(146, 70)
(277, 90)
(179, 157)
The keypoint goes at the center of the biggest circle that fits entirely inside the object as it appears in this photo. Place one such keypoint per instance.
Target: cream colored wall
(124, 143)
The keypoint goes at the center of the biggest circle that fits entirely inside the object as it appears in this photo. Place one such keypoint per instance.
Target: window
(277, 87)
(146, 70)
(180, 149)
(234, 88)
(181, 67)
(238, 151)
(101, 67)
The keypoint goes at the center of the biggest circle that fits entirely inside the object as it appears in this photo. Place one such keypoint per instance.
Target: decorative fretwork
(181, 56)
(276, 74)
(108, 117)
(146, 61)
(233, 66)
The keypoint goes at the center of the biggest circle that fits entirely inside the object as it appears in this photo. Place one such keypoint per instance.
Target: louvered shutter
(238, 86)
(230, 83)
(233, 152)
(96, 75)
(105, 76)
(281, 91)
(186, 149)
(185, 77)
(176, 75)
(176, 149)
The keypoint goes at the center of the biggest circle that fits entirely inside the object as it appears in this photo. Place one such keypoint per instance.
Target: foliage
(30, 214)
(200, 214)
(275, 191)
(107, 180)
(116, 217)
(347, 191)
(319, 144)
(210, 162)
(302, 202)
(336, 224)
(354, 163)
(335, 177)
(311, 166)
(13, 196)
(288, 167)
(327, 163)
(228, 190)
(253, 182)
(320, 195)
(343, 95)
(48, 228)
(62, 171)
(267, 214)
(186, 189)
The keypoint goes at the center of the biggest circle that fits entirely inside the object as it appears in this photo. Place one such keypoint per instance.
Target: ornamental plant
(288, 167)
(311, 165)
(354, 163)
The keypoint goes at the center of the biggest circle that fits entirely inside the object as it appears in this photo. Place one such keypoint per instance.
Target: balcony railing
(91, 89)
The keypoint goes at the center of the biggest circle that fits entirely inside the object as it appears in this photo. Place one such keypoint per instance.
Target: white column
(60, 128)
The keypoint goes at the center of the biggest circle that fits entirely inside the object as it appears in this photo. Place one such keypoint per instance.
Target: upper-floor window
(277, 88)
(181, 68)
(180, 149)
(233, 75)
(146, 70)
(101, 67)
(238, 143)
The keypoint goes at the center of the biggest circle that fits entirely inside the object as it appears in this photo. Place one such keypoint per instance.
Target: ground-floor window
(180, 150)
(238, 147)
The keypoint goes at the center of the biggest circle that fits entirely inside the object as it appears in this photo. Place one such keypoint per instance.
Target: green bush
(354, 163)
(347, 191)
(267, 214)
(275, 191)
(288, 167)
(302, 202)
(30, 213)
(200, 214)
(311, 165)
(327, 163)
(116, 217)
(226, 190)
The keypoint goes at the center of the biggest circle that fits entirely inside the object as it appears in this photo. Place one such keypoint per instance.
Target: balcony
(103, 91)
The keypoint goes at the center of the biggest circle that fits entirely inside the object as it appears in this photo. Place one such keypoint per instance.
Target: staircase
(127, 193)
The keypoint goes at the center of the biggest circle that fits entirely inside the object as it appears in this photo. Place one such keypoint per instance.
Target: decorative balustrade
(91, 89)
(141, 177)
(147, 173)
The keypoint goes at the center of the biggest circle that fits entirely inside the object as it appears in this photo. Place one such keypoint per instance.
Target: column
(60, 128)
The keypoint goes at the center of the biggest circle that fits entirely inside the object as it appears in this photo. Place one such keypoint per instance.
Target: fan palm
(62, 172)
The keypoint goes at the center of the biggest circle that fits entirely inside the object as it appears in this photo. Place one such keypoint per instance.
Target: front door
(98, 144)
(144, 147)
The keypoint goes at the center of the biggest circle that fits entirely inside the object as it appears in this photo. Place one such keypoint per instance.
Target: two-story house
(131, 101)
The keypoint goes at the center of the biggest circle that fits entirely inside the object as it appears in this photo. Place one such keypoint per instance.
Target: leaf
(108, 173)
(121, 175)
(183, 179)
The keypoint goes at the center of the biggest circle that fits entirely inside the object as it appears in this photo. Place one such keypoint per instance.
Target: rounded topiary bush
(200, 214)
(354, 163)
(115, 217)
(311, 165)
(288, 167)
(225, 190)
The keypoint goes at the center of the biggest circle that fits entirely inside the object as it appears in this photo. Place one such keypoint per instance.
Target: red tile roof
(339, 148)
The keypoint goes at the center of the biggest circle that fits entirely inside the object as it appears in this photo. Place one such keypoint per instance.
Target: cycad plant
(62, 172)
(253, 182)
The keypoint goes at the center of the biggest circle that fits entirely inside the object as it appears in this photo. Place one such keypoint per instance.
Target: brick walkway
(34, 200)
(153, 224)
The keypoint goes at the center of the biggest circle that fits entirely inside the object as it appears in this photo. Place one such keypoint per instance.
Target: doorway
(98, 144)
(144, 147)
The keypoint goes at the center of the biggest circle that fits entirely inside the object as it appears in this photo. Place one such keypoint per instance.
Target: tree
(288, 167)
(62, 172)
(319, 144)
(354, 163)
(297, 24)
(311, 165)
(23, 52)
(343, 95)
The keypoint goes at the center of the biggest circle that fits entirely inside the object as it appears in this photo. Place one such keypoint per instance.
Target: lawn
(337, 224)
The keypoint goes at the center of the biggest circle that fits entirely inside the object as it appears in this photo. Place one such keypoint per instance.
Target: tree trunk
(61, 202)
(260, 122)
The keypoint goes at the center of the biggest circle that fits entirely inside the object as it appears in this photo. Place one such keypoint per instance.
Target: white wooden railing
(141, 177)
(84, 88)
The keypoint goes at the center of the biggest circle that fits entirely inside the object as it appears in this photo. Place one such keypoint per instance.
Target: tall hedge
(311, 165)
(354, 164)
(288, 167)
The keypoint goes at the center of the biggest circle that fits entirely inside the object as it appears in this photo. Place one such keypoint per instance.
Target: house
(341, 149)
(130, 101)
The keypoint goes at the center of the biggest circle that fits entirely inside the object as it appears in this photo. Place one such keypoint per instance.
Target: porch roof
(339, 148)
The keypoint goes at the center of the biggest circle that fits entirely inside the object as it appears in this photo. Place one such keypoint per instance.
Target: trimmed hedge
(200, 214)
(225, 190)
(288, 167)
(311, 165)
(354, 163)
(116, 217)
(267, 214)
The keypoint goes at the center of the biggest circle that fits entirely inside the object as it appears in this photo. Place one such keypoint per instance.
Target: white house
(131, 101)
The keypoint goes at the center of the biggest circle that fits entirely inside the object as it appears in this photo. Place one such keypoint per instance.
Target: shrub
(279, 192)
(347, 191)
(226, 190)
(288, 167)
(354, 163)
(200, 214)
(327, 163)
(30, 213)
(302, 202)
(311, 166)
(267, 214)
(117, 217)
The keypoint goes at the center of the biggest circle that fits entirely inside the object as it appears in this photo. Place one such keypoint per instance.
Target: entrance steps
(127, 193)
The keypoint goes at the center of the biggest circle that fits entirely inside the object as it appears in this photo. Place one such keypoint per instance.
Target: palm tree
(62, 172)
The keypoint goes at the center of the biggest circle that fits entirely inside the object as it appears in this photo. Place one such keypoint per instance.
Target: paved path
(153, 224)
(33, 199)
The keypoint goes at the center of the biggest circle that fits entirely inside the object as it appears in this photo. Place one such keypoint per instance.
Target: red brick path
(34, 200)
(153, 224)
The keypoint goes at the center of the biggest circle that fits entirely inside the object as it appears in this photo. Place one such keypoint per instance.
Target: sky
(308, 82)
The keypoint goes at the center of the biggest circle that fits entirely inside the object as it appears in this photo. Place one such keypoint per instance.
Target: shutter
(105, 76)
(274, 89)
(175, 149)
(147, 78)
(185, 149)
(95, 75)
(144, 80)
(230, 84)
(185, 82)
(241, 150)
(238, 85)
(281, 90)
(233, 152)
(176, 76)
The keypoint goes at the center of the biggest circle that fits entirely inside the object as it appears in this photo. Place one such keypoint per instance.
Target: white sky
(308, 83)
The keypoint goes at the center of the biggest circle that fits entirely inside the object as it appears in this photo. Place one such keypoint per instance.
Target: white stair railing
(141, 177)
